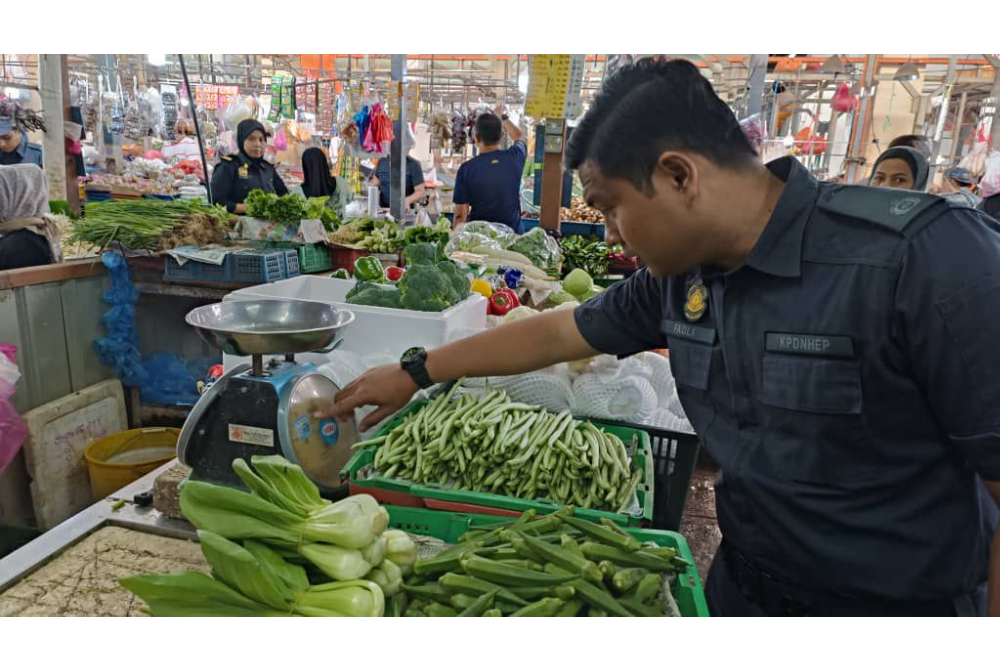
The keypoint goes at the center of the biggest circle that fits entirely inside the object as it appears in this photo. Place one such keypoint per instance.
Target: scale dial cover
(321, 447)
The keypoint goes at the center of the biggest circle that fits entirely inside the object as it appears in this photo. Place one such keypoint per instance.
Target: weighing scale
(267, 408)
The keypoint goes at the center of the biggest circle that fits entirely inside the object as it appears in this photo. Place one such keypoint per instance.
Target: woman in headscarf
(901, 167)
(235, 176)
(28, 233)
(319, 183)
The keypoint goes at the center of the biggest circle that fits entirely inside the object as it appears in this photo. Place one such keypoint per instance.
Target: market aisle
(699, 524)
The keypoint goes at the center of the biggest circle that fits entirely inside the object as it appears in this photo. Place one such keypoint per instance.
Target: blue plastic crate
(256, 267)
(175, 271)
(291, 262)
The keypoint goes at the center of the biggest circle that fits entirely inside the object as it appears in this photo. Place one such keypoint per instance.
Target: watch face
(411, 354)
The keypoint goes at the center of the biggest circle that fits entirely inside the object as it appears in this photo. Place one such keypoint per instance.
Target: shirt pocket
(814, 424)
(691, 365)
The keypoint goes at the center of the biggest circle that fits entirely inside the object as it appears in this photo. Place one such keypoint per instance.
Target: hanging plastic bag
(280, 140)
(13, 429)
(990, 183)
(843, 99)
(541, 248)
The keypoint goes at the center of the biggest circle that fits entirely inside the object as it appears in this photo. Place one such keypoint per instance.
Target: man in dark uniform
(235, 176)
(991, 205)
(15, 148)
(833, 346)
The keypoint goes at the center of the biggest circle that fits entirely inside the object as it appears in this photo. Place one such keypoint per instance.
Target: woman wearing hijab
(235, 176)
(319, 183)
(28, 233)
(901, 167)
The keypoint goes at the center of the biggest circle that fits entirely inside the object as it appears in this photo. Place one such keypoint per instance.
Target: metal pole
(949, 83)
(995, 126)
(197, 128)
(956, 131)
(755, 85)
(857, 142)
(397, 153)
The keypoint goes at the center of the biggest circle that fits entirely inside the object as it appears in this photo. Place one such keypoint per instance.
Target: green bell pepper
(369, 268)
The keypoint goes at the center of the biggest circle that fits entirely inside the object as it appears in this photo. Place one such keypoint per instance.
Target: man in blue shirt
(833, 346)
(488, 187)
(14, 145)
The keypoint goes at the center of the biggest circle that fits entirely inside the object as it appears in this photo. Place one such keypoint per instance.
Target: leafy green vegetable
(560, 297)
(425, 288)
(578, 283)
(289, 208)
(586, 253)
(542, 249)
(423, 253)
(375, 296)
(439, 233)
(138, 224)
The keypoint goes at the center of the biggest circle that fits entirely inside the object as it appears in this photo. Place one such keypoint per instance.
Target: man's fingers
(376, 416)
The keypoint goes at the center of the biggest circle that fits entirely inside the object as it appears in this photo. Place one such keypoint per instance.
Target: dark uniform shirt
(845, 378)
(26, 152)
(235, 176)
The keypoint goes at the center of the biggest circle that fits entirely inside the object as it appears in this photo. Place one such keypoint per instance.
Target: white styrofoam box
(378, 334)
(58, 434)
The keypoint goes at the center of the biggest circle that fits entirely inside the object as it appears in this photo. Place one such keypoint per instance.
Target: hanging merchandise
(361, 120)
(843, 99)
(379, 134)
(238, 109)
(168, 98)
(276, 90)
(13, 429)
(459, 133)
(755, 130)
(288, 98)
(280, 140)
(120, 349)
(990, 183)
(150, 107)
(440, 129)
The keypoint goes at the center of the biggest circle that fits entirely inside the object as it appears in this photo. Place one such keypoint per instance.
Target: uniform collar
(23, 147)
(779, 249)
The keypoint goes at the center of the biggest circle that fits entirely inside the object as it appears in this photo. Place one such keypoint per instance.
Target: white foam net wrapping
(549, 388)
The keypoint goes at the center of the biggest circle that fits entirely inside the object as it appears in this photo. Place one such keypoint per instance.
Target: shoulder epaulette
(892, 208)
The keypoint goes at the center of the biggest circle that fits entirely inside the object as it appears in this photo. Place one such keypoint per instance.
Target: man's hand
(388, 387)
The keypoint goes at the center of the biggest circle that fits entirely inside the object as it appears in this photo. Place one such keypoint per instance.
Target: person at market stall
(901, 167)
(488, 187)
(834, 348)
(382, 175)
(919, 142)
(235, 176)
(15, 123)
(960, 188)
(29, 235)
(320, 183)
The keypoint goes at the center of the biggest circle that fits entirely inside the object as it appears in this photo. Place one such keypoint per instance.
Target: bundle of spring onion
(140, 224)
(556, 565)
(494, 445)
(282, 550)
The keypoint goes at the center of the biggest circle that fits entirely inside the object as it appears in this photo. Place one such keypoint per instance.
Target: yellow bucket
(118, 460)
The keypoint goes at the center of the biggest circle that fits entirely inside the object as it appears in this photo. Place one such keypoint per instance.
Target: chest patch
(244, 171)
(830, 346)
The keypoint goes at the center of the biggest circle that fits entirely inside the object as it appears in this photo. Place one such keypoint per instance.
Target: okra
(493, 613)
(625, 579)
(648, 587)
(446, 561)
(570, 608)
(437, 609)
(561, 591)
(570, 544)
(639, 609)
(499, 573)
(596, 612)
(596, 596)
(544, 607)
(432, 591)
(456, 583)
(608, 570)
(414, 612)
(481, 604)
(565, 559)
(603, 534)
(631, 559)
(554, 569)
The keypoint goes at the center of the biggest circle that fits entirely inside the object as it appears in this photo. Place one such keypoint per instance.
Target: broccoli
(425, 288)
(358, 287)
(375, 296)
(423, 253)
(459, 281)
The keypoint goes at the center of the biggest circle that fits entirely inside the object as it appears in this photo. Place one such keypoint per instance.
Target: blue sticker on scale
(303, 429)
(330, 431)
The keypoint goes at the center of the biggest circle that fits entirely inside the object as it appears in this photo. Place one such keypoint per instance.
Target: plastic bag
(755, 130)
(843, 99)
(990, 183)
(13, 429)
(172, 381)
(120, 349)
(237, 110)
(280, 140)
(480, 234)
(542, 249)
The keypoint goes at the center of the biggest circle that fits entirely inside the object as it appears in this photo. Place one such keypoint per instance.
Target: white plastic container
(378, 334)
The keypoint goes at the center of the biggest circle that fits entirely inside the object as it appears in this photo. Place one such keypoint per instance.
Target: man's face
(659, 227)
(11, 141)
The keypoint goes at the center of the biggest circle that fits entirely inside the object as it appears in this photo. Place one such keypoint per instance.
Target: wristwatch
(504, 117)
(412, 361)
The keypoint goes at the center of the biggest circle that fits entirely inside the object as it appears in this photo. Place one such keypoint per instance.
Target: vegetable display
(288, 208)
(555, 565)
(503, 301)
(585, 253)
(150, 224)
(541, 249)
(431, 283)
(281, 550)
(491, 444)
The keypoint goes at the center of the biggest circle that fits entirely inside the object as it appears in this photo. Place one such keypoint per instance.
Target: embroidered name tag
(834, 346)
(689, 331)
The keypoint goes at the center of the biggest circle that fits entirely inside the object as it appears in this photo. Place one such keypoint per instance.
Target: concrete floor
(699, 525)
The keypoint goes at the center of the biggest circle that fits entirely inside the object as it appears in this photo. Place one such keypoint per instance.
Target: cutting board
(58, 434)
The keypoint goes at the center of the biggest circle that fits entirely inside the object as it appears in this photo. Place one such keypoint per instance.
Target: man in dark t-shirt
(415, 190)
(488, 187)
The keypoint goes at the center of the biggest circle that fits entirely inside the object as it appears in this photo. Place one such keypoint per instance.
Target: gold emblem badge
(244, 171)
(697, 301)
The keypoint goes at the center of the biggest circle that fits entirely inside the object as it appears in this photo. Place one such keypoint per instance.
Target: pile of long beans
(136, 224)
(491, 444)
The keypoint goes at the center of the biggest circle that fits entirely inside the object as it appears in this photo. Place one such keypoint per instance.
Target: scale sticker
(330, 432)
(303, 429)
(263, 437)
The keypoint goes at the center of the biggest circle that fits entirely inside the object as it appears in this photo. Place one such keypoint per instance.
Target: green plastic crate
(312, 257)
(449, 526)
(400, 492)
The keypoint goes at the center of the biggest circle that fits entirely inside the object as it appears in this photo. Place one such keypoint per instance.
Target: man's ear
(679, 173)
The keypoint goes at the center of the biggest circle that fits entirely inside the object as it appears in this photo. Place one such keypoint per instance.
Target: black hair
(651, 107)
(489, 128)
(919, 142)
